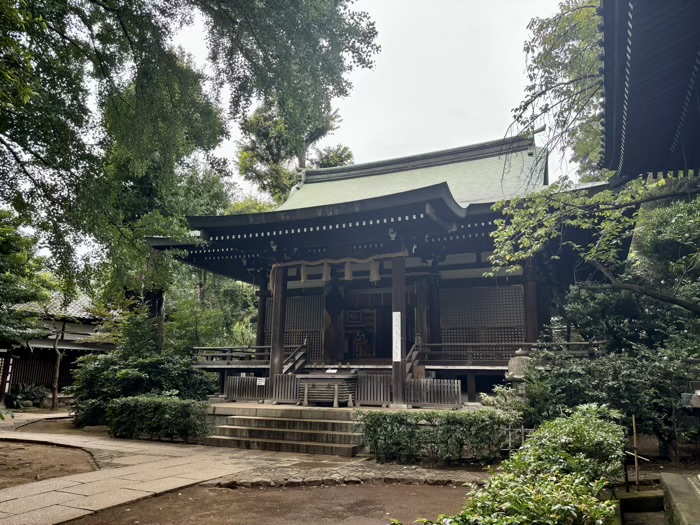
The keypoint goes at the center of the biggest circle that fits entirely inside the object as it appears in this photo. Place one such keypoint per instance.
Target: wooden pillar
(263, 294)
(4, 375)
(279, 311)
(398, 321)
(422, 310)
(471, 388)
(434, 309)
(532, 331)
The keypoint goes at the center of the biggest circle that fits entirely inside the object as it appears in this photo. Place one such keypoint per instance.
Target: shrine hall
(376, 271)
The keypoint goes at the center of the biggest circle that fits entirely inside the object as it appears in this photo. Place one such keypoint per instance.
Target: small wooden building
(34, 362)
(379, 266)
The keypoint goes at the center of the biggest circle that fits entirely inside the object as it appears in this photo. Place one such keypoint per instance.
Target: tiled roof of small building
(79, 308)
(485, 172)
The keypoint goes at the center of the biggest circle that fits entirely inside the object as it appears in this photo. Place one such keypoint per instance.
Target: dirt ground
(23, 463)
(349, 505)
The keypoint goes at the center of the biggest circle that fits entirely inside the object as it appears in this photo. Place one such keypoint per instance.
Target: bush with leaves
(157, 416)
(134, 368)
(440, 435)
(24, 395)
(556, 478)
(643, 382)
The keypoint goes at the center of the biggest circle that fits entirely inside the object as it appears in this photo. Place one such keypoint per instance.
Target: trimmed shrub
(157, 416)
(441, 435)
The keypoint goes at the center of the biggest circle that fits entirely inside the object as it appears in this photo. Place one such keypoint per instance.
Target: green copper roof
(480, 173)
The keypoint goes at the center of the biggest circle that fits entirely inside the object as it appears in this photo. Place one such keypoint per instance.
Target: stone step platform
(297, 447)
(304, 430)
(292, 423)
(315, 436)
(280, 411)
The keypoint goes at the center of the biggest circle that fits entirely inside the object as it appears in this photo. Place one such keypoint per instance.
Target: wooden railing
(434, 392)
(487, 354)
(373, 388)
(296, 360)
(212, 356)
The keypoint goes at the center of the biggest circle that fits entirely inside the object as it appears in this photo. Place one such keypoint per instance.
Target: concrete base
(400, 405)
(682, 498)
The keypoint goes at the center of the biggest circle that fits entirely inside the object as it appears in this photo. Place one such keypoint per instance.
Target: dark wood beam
(398, 339)
(279, 311)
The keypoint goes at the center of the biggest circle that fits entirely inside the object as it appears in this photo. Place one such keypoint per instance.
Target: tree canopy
(273, 151)
(22, 282)
(94, 92)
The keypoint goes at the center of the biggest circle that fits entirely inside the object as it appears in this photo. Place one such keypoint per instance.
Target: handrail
(296, 359)
(412, 357)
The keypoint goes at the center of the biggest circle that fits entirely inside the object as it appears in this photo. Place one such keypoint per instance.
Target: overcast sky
(449, 74)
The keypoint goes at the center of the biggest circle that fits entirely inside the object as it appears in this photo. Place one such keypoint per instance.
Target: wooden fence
(285, 388)
(246, 388)
(373, 389)
(434, 392)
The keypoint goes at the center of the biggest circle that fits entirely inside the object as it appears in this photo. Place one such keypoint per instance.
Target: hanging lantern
(348, 271)
(374, 272)
(326, 273)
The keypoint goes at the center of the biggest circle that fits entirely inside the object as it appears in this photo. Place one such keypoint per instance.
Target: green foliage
(587, 443)
(17, 77)
(564, 83)
(96, 106)
(556, 478)
(514, 500)
(22, 281)
(134, 368)
(249, 204)
(273, 151)
(208, 310)
(646, 383)
(440, 435)
(25, 396)
(161, 416)
(333, 156)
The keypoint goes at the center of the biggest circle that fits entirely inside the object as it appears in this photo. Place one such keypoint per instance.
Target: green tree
(333, 156)
(85, 60)
(273, 150)
(135, 367)
(22, 281)
(564, 83)
(641, 381)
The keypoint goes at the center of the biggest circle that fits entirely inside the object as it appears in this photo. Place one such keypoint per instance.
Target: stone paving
(132, 470)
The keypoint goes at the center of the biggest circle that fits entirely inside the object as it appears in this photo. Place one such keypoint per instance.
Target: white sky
(449, 74)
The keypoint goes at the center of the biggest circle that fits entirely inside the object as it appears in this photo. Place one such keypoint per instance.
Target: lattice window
(304, 318)
(482, 307)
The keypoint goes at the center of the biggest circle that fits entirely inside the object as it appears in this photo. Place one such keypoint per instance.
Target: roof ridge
(492, 148)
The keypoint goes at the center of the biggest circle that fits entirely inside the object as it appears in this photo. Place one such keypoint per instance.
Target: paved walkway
(132, 470)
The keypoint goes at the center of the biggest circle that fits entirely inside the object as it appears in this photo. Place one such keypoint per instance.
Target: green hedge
(157, 416)
(441, 435)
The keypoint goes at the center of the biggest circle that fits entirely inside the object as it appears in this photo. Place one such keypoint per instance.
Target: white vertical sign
(396, 336)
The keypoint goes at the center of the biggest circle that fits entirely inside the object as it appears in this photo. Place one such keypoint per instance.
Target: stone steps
(285, 434)
(296, 429)
(299, 447)
(292, 423)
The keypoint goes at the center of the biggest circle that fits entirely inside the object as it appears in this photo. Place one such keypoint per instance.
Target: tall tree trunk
(57, 365)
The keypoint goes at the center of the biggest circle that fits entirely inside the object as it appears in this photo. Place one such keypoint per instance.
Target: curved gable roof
(479, 173)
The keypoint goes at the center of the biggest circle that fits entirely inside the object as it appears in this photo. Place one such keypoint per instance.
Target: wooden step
(292, 423)
(285, 434)
(299, 447)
